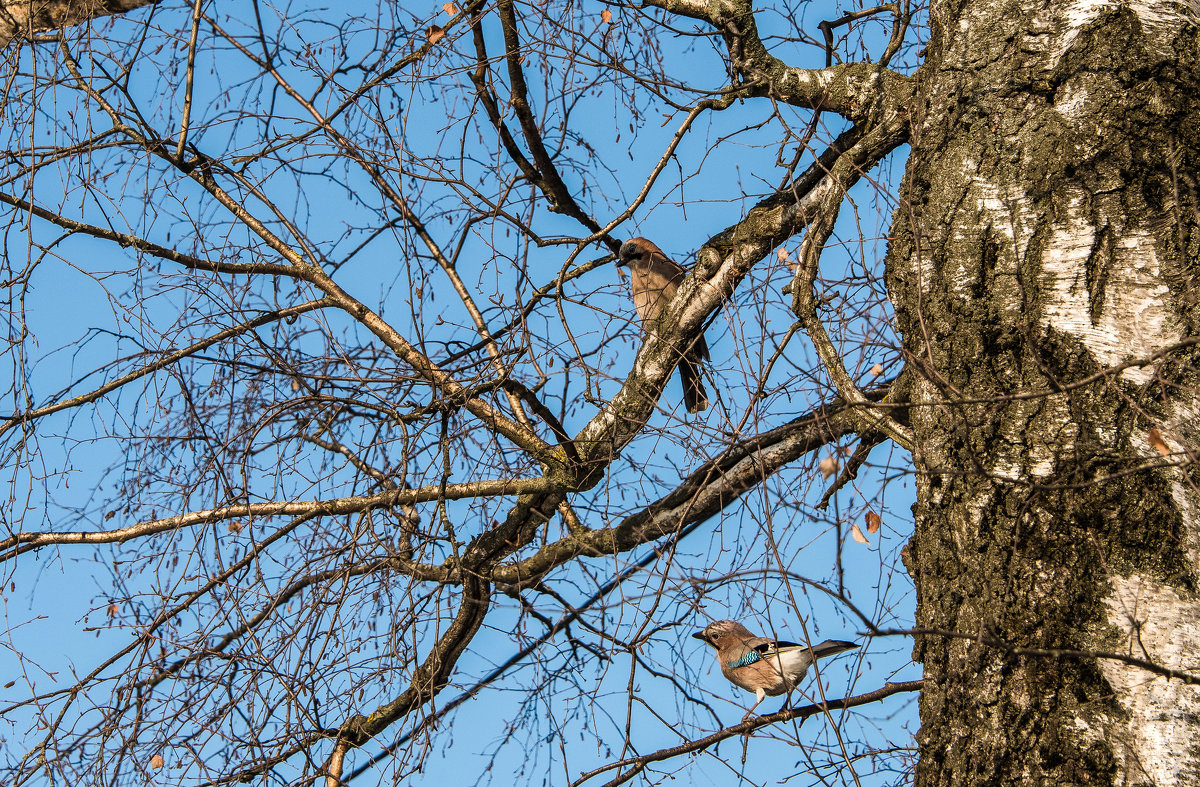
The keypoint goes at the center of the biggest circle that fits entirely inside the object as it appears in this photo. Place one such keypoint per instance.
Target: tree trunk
(1048, 235)
(20, 18)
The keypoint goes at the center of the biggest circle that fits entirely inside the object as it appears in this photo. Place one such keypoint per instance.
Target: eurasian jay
(763, 666)
(655, 279)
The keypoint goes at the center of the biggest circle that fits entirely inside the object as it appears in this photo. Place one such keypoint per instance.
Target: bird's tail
(832, 646)
(694, 396)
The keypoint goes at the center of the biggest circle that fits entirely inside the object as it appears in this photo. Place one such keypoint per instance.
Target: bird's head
(637, 250)
(722, 633)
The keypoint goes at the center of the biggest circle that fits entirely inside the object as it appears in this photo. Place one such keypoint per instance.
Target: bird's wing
(664, 266)
(767, 646)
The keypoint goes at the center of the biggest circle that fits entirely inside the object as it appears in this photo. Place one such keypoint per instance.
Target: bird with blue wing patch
(767, 667)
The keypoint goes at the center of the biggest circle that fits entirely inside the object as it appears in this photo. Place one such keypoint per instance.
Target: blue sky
(568, 709)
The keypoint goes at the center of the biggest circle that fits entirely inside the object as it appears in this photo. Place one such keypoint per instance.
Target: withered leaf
(1156, 440)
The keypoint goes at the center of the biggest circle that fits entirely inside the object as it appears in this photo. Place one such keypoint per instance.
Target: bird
(655, 280)
(764, 666)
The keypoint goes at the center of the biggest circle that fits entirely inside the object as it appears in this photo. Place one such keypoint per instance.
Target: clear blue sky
(745, 565)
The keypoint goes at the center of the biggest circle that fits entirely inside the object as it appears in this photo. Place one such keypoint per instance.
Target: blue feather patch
(750, 657)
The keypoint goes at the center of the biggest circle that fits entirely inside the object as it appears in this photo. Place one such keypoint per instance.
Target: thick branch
(804, 302)
(711, 488)
(22, 18)
(550, 182)
(433, 673)
(724, 261)
(854, 90)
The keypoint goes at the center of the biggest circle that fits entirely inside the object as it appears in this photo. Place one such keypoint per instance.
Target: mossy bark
(1048, 236)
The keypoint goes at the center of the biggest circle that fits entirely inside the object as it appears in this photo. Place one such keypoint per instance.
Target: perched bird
(655, 280)
(763, 666)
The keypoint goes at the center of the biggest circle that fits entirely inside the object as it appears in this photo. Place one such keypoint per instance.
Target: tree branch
(636, 765)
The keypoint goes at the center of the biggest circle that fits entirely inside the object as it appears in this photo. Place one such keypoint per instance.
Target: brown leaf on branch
(1156, 440)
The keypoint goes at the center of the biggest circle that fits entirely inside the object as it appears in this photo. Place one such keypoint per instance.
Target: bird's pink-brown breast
(651, 291)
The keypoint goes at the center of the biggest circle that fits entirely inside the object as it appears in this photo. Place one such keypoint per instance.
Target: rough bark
(20, 18)
(1049, 238)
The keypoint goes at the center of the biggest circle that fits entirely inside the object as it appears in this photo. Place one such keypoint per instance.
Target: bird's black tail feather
(694, 396)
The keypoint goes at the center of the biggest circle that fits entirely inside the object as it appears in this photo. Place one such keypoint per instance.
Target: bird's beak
(700, 636)
(621, 263)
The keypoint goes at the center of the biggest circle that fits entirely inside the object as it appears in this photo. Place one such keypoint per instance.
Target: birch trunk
(1049, 237)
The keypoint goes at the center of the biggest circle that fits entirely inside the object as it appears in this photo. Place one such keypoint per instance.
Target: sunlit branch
(632, 766)
(20, 543)
(714, 486)
(724, 261)
(855, 90)
(549, 181)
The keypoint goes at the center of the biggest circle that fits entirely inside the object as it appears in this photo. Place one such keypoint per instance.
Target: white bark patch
(1160, 19)
(1007, 212)
(1163, 726)
(1071, 101)
(1179, 435)
(1133, 321)
(1184, 496)
(1007, 215)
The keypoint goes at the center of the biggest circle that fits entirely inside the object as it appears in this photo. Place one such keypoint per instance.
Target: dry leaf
(435, 33)
(1157, 441)
(606, 15)
(783, 255)
(846, 450)
(873, 522)
(450, 8)
(235, 527)
(828, 466)
(113, 609)
(857, 535)
(10, 684)
(877, 370)
(156, 761)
